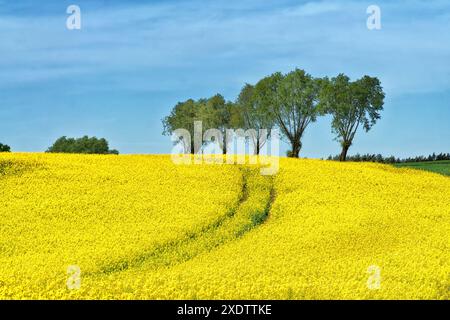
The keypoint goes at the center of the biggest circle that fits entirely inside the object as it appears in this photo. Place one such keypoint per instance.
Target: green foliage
(214, 112)
(183, 115)
(351, 104)
(83, 145)
(368, 158)
(4, 148)
(442, 167)
(289, 102)
(441, 157)
(250, 114)
(292, 101)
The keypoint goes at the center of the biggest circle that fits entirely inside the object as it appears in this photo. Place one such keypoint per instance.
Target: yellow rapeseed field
(141, 227)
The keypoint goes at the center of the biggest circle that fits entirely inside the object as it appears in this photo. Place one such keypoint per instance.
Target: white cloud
(230, 41)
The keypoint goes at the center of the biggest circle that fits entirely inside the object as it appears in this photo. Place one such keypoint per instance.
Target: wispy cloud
(146, 56)
(239, 39)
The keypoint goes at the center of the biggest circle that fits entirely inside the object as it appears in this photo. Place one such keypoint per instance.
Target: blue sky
(132, 61)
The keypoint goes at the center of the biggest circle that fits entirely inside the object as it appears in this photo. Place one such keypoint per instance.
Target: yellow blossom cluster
(140, 227)
(97, 211)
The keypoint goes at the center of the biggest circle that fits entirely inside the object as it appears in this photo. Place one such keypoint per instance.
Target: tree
(183, 116)
(214, 113)
(249, 114)
(83, 145)
(292, 101)
(351, 104)
(5, 148)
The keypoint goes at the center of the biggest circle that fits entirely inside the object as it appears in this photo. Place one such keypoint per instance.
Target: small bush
(4, 148)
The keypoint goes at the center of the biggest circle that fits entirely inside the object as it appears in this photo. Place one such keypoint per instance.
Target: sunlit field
(141, 227)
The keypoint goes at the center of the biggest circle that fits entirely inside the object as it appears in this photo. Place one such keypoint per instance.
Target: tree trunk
(345, 147)
(296, 147)
(258, 146)
(225, 143)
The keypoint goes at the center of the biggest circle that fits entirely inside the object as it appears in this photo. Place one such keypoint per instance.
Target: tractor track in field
(226, 229)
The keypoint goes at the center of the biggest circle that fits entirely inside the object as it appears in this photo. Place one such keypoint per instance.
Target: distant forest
(379, 158)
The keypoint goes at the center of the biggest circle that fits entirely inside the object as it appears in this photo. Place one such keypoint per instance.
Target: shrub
(4, 148)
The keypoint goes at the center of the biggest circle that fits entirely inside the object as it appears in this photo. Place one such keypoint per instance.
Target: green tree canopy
(183, 116)
(249, 114)
(289, 102)
(83, 145)
(4, 148)
(214, 112)
(292, 102)
(351, 104)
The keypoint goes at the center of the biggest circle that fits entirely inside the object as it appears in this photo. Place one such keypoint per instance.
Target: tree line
(290, 103)
(392, 160)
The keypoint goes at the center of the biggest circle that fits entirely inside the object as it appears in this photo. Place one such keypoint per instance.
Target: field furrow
(141, 227)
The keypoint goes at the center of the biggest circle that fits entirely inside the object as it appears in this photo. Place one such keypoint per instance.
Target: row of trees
(289, 102)
(379, 158)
